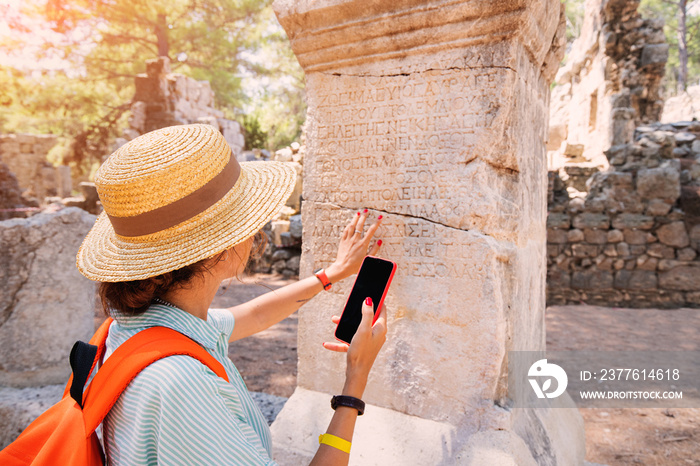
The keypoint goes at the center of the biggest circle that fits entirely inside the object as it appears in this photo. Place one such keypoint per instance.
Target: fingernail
(379, 242)
(368, 301)
(365, 211)
(358, 213)
(380, 217)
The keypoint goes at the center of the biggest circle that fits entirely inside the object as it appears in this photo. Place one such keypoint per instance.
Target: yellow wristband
(335, 442)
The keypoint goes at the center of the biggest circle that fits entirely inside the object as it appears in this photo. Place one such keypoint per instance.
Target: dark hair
(134, 297)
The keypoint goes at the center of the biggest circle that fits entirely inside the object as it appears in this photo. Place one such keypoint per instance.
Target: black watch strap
(350, 402)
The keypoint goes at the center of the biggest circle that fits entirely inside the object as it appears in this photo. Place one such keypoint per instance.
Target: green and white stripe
(177, 411)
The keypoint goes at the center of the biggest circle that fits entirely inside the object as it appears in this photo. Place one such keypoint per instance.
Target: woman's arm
(272, 307)
(362, 352)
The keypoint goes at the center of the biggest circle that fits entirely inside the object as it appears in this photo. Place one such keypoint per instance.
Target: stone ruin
(12, 202)
(45, 306)
(685, 106)
(611, 84)
(625, 236)
(633, 240)
(417, 111)
(25, 156)
(165, 99)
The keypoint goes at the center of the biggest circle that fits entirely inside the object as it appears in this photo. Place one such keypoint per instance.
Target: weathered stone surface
(657, 207)
(591, 220)
(596, 236)
(661, 251)
(684, 106)
(686, 278)
(686, 254)
(46, 305)
(636, 280)
(27, 159)
(673, 234)
(660, 183)
(592, 279)
(574, 236)
(635, 236)
(295, 226)
(420, 119)
(585, 250)
(623, 249)
(10, 194)
(558, 278)
(649, 263)
(668, 264)
(558, 220)
(556, 236)
(615, 236)
(654, 54)
(633, 221)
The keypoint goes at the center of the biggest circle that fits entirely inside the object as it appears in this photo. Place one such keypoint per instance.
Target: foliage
(668, 10)
(103, 45)
(255, 137)
(278, 89)
(574, 19)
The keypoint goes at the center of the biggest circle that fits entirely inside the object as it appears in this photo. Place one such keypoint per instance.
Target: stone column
(433, 114)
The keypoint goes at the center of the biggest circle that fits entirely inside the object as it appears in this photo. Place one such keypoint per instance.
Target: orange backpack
(65, 433)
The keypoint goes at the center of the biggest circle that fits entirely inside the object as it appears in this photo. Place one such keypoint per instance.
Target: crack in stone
(388, 212)
(8, 311)
(454, 68)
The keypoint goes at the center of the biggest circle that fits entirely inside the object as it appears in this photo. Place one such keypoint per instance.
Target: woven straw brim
(261, 190)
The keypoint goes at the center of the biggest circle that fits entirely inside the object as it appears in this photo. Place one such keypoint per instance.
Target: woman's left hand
(353, 247)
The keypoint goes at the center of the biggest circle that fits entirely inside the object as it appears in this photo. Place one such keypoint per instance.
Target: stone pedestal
(434, 115)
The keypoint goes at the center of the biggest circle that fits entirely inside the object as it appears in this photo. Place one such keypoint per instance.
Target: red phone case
(379, 307)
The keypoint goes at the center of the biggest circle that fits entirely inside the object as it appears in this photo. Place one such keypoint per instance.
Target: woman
(180, 217)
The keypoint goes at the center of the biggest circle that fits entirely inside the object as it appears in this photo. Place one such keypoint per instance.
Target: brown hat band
(183, 209)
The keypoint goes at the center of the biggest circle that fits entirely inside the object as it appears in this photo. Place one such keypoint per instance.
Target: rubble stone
(42, 284)
(673, 234)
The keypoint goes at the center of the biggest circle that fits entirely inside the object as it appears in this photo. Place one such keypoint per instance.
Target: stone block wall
(25, 156)
(633, 239)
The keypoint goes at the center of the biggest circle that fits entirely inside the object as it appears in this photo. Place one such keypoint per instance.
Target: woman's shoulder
(223, 320)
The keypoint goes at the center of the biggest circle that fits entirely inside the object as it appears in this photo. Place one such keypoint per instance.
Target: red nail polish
(365, 210)
(379, 242)
(368, 301)
(358, 213)
(380, 217)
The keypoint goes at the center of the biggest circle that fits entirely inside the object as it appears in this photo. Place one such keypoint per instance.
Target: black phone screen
(372, 279)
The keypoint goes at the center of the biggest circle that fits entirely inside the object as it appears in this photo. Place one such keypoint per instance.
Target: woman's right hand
(363, 349)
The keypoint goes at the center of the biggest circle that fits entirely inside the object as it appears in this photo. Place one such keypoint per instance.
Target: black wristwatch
(350, 402)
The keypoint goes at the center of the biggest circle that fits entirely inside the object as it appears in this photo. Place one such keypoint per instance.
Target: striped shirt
(177, 411)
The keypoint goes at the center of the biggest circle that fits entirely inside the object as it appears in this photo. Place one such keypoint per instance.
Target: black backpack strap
(82, 358)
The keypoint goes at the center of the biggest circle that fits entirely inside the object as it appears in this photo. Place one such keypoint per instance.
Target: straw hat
(175, 196)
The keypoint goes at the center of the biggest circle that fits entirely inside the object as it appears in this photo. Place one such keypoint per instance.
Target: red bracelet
(321, 275)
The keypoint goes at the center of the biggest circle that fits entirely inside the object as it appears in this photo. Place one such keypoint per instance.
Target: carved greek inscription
(401, 143)
(420, 248)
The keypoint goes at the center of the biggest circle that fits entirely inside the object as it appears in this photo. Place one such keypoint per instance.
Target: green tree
(681, 30)
(104, 44)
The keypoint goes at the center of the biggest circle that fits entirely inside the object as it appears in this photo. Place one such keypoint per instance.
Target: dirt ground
(267, 362)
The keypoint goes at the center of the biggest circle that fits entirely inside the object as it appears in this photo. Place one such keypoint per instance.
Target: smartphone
(372, 280)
